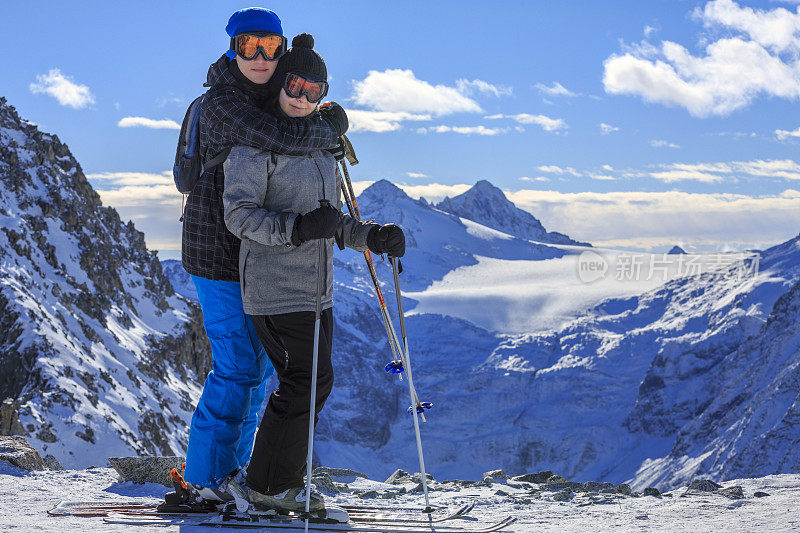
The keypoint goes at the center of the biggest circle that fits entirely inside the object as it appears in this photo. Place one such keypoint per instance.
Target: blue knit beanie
(252, 19)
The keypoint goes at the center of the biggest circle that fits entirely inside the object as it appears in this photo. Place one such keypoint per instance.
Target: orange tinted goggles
(271, 46)
(297, 86)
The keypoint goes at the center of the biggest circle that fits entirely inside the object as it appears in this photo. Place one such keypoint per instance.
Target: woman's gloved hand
(388, 239)
(321, 223)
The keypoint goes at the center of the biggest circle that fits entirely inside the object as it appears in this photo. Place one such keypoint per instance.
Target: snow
(26, 498)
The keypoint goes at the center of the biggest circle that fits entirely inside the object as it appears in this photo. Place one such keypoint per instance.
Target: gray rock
(419, 489)
(652, 491)
(17, 451)
(593, 486)
(560, 485)
(324, 482)
(703, 485)
(555, 479)
(500, 493)
(760, 494)
(417, 478)
(337, 472)
(52, 463)
(368, 495)
(498, 475)
(9, 418)
(540, 477)
(387, 495)
(624, 488)
(733, 493)
(399, 477)
(146, 469)
(563, 496)
(487, 481)
(341, 487)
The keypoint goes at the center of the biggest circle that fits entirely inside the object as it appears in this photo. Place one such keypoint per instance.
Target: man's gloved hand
(388, 239)
(338, 151)
(336, 117)
(321, 223)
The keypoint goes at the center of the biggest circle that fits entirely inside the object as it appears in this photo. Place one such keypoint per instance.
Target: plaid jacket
(232, 115)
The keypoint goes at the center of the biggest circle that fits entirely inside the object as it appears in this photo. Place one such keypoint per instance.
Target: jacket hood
(222, 73)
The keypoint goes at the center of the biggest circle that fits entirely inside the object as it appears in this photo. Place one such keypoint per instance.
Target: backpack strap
(216, 160)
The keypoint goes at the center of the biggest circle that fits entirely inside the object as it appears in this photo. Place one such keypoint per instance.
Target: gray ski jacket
(263, 194)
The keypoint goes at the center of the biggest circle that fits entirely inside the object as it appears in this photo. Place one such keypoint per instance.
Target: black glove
(388, 239)
(321, 223)
(338, 150)
(336, 117)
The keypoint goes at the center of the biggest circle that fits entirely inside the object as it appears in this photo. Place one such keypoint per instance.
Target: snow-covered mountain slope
(573, 398)
(608, 392)
(103, 356)
(179, 278)
(486, 204)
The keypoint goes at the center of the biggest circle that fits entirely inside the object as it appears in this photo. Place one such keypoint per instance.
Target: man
(225, 420)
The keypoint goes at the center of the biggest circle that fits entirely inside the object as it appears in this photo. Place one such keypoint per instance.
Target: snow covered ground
(26, 498)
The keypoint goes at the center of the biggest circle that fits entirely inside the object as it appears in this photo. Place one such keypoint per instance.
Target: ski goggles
(297, 86)
(248, 45)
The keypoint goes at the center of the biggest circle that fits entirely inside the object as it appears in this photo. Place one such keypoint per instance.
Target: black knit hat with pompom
(301, 59)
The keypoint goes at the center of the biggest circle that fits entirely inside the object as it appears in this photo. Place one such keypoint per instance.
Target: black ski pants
(281, 446)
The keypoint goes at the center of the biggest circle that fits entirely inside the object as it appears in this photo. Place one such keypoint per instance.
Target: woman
(284, 208)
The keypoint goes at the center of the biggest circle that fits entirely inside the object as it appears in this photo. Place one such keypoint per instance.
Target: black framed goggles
(248, 45)
(296, 86)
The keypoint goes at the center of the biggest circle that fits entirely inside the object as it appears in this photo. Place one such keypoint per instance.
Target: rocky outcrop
(146, 469)
(17, 452)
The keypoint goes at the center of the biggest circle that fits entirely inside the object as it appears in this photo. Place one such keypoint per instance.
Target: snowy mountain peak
(383, 191)
(486, 204)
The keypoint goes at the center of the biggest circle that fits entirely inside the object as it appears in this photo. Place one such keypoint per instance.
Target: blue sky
(627, 123)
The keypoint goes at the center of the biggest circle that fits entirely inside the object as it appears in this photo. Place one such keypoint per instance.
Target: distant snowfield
(532, 296)
(26, 498)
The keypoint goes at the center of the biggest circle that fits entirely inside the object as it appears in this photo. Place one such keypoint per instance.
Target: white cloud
(63, 89)
(537, 178)
(416, 175)
(379, 121)
(555, 169)
(633, 219)
(107, 179)
(464, 130)
(398, 90)
(605, 129)
(608, 168)
(649, 30)
(733, 71)
(468, 88)
(555, 90)
(682, 175)
(715, 172)
(658, 143)
(776, 29)
(142, 122)
(604, 177)
(785, 134)
(546, 123)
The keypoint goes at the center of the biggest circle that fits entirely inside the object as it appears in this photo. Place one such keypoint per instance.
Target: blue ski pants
(226, 418)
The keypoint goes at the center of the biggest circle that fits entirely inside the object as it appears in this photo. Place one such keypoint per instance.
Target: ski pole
(312, 412)
(353, 209)
(394, 342)
(414, 401)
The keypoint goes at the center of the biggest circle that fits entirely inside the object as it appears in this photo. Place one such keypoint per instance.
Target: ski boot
(188, 498)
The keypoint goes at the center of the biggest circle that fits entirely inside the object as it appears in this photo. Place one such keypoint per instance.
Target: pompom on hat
(301, 59)
(252, 19)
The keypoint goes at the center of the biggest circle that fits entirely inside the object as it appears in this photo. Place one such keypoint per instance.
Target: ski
(274, 522)
(358, 514)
